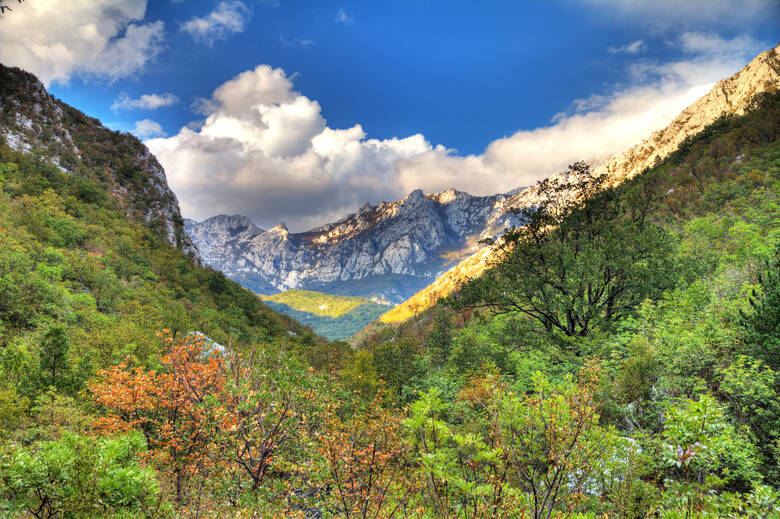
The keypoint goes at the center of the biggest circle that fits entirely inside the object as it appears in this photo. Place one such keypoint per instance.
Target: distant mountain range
(386, 252)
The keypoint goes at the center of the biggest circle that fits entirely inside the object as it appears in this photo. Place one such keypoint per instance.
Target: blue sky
(367, 100)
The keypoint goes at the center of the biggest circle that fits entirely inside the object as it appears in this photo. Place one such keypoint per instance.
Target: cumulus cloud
(228, 18)
(91, 38)
(148, 128)
(266, 151)
(635, 47)
(144, 102)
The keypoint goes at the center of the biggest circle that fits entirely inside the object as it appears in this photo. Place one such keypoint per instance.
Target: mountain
(387, 251)
(333, 317)
(33, 121)
(730, 96)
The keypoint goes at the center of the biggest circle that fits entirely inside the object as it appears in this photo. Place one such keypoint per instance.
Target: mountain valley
(601, 344)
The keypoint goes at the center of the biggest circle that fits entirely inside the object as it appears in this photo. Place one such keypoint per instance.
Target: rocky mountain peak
(280, 229)
(233, 224)
(448, 196)
(416, 197)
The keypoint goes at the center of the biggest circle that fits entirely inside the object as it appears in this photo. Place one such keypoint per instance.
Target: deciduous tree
(365, 456)
(586, 255)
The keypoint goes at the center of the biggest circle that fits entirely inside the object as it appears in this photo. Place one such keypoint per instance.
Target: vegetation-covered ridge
(33, 121)
(619, 380)
(332, 316)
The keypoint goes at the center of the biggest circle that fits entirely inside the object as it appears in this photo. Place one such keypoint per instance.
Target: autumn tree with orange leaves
(168, 407)
(365, 456)
(211, 413)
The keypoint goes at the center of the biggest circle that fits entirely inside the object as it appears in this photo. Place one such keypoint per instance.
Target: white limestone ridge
(387, 251)
(729, 96)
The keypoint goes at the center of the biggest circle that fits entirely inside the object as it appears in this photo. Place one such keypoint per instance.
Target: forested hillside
(332, 316)
(667, 287)
(619, 359)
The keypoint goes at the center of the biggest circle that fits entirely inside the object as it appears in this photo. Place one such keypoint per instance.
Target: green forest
(619, 359)
(332, 316)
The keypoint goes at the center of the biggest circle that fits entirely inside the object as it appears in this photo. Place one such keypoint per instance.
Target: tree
(459, 474)
(396, 363)
(749, 388)
(762, 325)
(170, 408)
(438, 339)
(703, 452)
(267, 403)
(55, 369)
(360, 375)
(553, 440)
(585, 256)
(365, 455)
(213, 415)
(78, 476)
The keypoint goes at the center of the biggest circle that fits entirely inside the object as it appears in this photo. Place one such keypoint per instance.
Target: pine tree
(54, 358)
(762, 324)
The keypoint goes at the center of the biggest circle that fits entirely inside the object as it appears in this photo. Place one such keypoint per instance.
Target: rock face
(729, 96)
(388, 251)
(31, 120)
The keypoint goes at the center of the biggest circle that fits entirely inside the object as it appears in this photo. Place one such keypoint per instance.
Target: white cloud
(597, 127)
(711, 44)
(144, 102)
(147, 128)
(344, 17)
(677, 13)
(91, 38)
(266, 151)
(228, 18)
(635, 47)
(302, 43)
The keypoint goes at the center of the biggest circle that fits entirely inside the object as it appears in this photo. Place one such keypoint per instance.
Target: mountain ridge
(729, 96)
(414, 238)
(34, 121)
